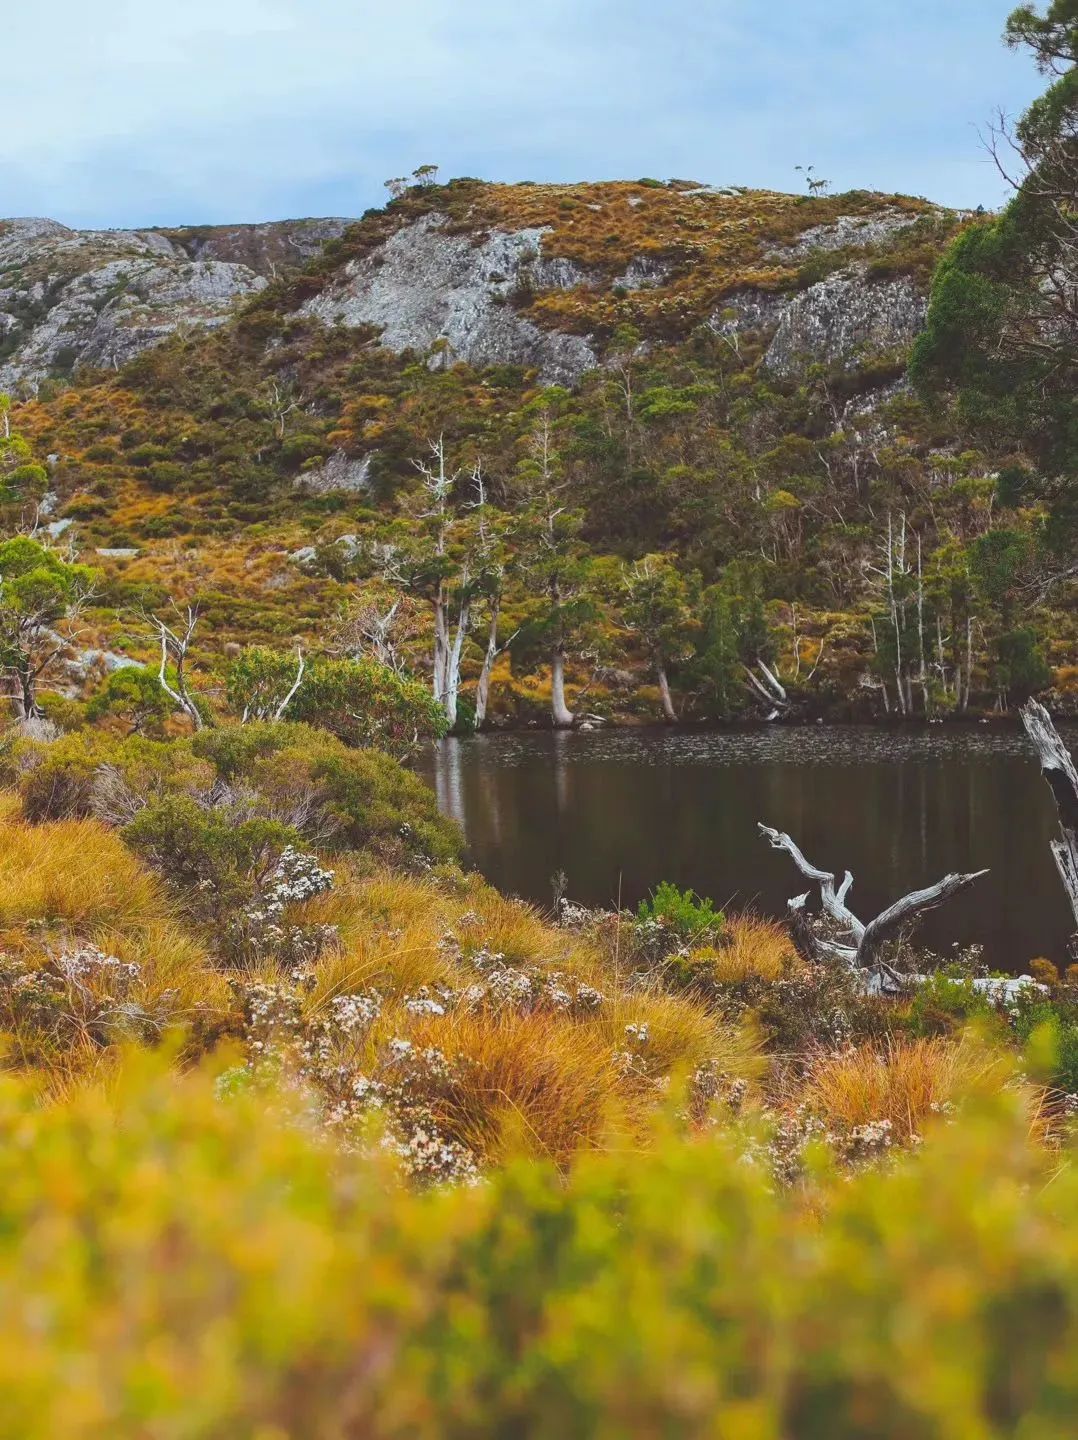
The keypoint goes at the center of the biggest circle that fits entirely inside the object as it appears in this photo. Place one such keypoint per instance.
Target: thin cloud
(256, 109)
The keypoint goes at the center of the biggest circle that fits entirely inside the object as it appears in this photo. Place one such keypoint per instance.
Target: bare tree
(175, 645)
(371, 628)
(858, 945)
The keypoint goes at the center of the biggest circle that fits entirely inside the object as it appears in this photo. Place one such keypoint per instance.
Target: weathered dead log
(859, 945)
(1062, 777)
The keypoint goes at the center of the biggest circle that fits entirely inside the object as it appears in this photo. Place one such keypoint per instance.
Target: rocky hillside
(533, 276)
(235, 414)
(71, 299)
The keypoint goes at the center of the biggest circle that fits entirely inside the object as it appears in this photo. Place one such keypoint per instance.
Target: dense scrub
(870, 546)
(179, 1262)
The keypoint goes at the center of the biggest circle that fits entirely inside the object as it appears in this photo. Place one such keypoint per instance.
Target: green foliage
(364, 703)
(21, 479)
(999, 326)
(37, 591)
(212, 858)
(1019, 669)
(946, 1002)
(1056, 1027)
(133, 697)
(716, 666)
(674, 1292)
(328, 795)
(682, 911)
(259, 682)
(56, 781)
(357, 799)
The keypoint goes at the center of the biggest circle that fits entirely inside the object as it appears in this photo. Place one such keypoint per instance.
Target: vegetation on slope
(835, 542)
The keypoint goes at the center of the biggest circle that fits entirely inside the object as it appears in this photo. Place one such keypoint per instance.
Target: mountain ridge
(522, 274)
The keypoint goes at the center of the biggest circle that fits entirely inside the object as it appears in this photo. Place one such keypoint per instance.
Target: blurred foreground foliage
(178, 1261)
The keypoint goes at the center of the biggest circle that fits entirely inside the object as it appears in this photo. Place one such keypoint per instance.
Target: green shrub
(132, 697)
(362, 702)
(1058, 1023)
(945, 1003)
(55, 781)
(213, 859)
(682, 911)
(372, 804)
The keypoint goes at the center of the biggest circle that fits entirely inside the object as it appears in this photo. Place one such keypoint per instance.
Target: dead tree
(1062, 777)
(174, 647)
(265, 704)
(860, 946)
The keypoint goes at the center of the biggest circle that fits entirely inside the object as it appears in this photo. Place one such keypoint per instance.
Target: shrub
(682, 912)
(1058, 1024)
(211, 857)
(166, 1223)
(56, 781)
(339, 797)
(362, 702)
(369, 801)
(133, 698)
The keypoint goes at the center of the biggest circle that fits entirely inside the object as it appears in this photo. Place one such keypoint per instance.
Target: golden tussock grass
(75, 873)
(398, 933)
(681, 1035)
(74, 882)
(756, 948)
(534, 1083)
(908, 1082)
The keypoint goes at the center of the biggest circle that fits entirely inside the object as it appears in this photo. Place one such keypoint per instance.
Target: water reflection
(618, 811)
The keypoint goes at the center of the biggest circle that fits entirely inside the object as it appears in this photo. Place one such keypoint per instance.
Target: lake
(619, 810)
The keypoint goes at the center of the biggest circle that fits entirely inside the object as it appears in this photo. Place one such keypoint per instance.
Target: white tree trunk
(452, 666)
(563, 716)
(669, 713)
(482, 689)
(1062, 777)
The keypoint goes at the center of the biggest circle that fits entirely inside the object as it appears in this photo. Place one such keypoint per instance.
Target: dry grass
(73, 883)
(681, 1035)
(756, 949)
(528, 1083)
(531, 1078)
(908, 1083)
(74, 873)
(399, 933)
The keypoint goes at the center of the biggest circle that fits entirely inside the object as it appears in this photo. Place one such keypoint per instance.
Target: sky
(129, 112)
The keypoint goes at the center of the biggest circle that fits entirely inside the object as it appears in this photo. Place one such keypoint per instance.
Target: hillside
(235, 415)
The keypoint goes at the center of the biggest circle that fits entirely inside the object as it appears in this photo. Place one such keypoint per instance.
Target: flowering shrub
(260, 931)
(77, 997)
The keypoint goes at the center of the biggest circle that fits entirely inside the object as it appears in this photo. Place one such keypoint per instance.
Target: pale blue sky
(127, 112)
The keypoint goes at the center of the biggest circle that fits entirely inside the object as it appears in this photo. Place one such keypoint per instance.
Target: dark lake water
(618, 811)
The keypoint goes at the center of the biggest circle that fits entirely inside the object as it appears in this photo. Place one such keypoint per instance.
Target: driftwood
(1062, 777)
(861, 944)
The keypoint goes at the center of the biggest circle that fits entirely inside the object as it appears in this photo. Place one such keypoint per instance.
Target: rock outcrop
(426, 284)
(269, 249)
(340, 472)
(72, 298)
(475, 290)
(847, 319)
